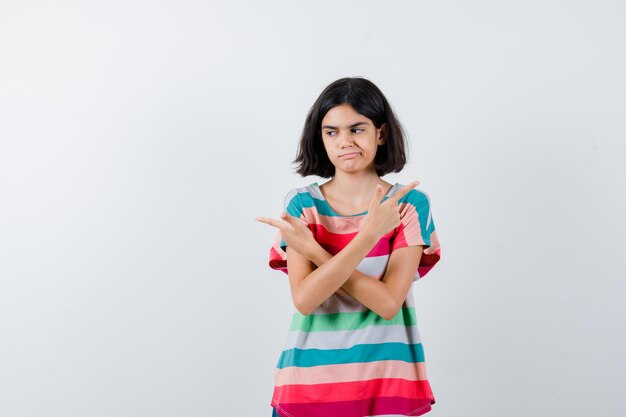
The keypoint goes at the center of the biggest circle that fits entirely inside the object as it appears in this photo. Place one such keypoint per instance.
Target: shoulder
(299, 197)
(417, 197)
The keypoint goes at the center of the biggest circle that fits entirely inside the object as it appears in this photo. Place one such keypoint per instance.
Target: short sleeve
(417, 227)
(278, 256)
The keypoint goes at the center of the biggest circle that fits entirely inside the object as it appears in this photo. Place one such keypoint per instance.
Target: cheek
(370, 147)
(326, 147)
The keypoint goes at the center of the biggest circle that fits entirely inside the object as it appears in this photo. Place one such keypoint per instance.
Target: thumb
(287, 217)
(377, 197)
(379, 192)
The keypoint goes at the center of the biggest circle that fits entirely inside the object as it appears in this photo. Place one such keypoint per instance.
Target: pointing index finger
(270, 221)
(402, 192)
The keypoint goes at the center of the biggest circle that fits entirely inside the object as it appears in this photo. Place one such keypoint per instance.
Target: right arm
(311, 286)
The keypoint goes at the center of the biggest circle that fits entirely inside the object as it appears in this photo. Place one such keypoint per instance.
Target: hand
(295, 231)
(383, 218)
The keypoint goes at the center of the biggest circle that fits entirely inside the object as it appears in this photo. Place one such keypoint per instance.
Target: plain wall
(140, 139)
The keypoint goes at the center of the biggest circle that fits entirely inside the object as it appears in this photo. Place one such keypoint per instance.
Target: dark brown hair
(366, 99)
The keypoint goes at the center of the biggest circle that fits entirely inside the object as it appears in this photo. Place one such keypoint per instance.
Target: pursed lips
(345, 154)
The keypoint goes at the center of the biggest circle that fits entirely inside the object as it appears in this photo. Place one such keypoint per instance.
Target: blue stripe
(419, 199)
(358, 353)
(323, 207)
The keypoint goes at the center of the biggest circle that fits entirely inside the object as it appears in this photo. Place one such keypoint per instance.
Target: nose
(345, 138)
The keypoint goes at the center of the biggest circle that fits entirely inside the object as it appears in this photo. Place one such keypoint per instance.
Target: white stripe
(290, 195)
(342, 302)
(374, 265)
(344, 339)
(430, 212)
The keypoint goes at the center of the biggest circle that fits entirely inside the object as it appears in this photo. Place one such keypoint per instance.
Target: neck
(355, 188)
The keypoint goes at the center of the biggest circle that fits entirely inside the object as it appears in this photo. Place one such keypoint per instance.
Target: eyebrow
(352, 125)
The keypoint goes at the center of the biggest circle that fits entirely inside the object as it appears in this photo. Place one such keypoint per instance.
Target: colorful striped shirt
(343, 359)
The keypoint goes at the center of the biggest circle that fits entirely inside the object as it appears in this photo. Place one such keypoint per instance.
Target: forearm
(334, 272)
(368, 290)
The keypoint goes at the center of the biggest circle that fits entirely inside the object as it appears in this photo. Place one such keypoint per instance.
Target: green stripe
(349, 321)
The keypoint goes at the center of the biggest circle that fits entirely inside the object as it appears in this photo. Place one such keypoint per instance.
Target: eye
(357, 128)
(329, 132)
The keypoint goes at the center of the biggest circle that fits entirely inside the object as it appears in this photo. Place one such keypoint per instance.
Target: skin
(315, 274)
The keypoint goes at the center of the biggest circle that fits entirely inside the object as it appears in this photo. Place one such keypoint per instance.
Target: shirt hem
(424, 409)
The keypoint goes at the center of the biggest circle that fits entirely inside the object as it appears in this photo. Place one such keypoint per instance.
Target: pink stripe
(358, 408)
(412, 235)
(335, 242)
(278, 260)
(339, 225)
(350, 372)
(356, 390)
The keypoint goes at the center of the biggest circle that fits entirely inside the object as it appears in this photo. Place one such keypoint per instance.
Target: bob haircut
(367, 100)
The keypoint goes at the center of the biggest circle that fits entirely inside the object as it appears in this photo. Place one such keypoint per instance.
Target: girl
(352, 248)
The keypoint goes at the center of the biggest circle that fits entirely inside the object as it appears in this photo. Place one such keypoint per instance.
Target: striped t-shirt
(343, 359)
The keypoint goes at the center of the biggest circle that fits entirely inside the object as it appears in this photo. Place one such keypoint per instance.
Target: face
(351, 139)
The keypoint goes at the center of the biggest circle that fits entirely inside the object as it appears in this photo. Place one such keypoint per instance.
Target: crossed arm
(310, 286)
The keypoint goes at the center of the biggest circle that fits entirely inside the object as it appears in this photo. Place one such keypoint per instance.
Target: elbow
(301, 306)
(391, 310)
(303, 311)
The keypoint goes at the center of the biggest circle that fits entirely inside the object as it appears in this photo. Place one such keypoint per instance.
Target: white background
(139, 139)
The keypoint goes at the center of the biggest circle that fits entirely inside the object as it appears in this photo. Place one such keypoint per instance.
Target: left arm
(385, 296)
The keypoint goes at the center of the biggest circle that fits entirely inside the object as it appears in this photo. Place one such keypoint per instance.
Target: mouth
(349, 154)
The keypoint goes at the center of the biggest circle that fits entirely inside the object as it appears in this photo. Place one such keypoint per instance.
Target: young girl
(352, 248)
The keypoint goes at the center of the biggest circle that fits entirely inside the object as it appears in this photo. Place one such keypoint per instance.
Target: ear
(382, 134)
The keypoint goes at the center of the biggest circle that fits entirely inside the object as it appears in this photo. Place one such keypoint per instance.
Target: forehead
(343, 115)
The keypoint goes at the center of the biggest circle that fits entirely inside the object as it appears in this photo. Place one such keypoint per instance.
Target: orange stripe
(350, 372)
